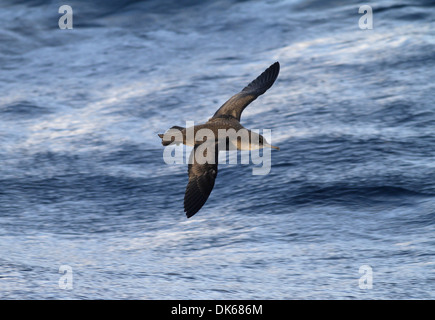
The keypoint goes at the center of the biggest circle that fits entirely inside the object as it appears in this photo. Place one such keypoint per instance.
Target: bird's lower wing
(202, 169)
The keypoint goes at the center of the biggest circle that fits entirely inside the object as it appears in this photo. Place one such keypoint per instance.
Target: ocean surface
(90, 210)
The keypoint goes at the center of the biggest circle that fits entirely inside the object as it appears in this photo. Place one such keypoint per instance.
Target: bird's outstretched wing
(237, 103)
(202, 169)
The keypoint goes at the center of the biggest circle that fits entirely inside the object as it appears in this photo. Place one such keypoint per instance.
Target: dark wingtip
(264, 81)
(189, 215)
(190, 212)
(191, 208)
(275, 66)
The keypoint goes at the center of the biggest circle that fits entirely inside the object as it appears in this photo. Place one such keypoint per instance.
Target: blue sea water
(83, 183)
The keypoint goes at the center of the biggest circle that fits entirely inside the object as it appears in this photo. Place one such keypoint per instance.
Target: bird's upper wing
(237, 103)
(202, 175)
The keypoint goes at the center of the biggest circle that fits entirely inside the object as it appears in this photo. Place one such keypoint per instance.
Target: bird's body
(221, 132)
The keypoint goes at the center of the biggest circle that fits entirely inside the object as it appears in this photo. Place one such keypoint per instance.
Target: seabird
(202, 175)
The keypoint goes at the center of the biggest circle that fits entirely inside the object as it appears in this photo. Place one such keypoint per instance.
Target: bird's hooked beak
(272, 147)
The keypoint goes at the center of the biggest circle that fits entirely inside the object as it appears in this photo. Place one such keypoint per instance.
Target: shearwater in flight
(202, 174)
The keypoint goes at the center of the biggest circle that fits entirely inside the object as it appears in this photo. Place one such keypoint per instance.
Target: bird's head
(257, 141)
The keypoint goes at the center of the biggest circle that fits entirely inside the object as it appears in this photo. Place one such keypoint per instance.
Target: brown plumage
(202, 176)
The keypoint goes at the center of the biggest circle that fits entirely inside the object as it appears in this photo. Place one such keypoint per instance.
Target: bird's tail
(173, 135)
